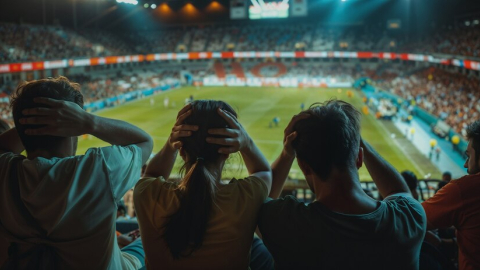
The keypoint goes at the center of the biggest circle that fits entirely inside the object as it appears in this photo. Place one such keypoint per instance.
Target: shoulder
(152, 194)
(149, 188)
(467, 181)
(253, 181)
(148, 185)
(285, 202)
(280, 215)
(117, 159)
(402, 200)
(250, 192)
(287, 205)
(451, 192)
(116, 150)
(146, 191)
(404, 206)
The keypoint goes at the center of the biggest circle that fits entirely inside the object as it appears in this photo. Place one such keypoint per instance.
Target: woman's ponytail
(185, 230)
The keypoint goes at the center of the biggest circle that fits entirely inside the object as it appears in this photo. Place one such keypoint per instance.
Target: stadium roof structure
(113, 15)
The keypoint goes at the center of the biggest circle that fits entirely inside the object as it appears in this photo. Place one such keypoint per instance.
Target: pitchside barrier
(82, 62)
(120, 99)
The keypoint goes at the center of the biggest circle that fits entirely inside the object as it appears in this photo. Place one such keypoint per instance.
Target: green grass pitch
(256, 108)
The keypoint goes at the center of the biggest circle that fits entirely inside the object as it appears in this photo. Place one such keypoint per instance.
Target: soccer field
(256, 108)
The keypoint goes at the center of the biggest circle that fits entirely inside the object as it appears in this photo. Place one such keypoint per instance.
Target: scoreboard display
(263, 9)
(267, 9)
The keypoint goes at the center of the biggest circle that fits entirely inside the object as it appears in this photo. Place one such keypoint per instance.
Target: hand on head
(61, 118)
(181, 130)
(236, 137)
(289, 134)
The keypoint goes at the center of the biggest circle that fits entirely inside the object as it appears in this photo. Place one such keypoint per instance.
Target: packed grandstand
(419, 94)
(23, 43)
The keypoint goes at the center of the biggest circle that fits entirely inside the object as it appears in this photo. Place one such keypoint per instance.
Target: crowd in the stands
(31, 43)
(452, 97)
(34, 43)
(463, 41)
(100, 87)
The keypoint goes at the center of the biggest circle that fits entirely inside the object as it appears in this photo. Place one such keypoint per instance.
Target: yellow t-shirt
(229, 232)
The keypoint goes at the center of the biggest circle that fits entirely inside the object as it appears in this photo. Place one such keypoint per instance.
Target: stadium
(410, 67)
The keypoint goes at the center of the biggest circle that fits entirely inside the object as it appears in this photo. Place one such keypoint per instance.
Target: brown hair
(186, 228)
(56, 88)
(329, 138)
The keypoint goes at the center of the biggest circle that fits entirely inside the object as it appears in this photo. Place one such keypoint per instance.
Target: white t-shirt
(74, 200)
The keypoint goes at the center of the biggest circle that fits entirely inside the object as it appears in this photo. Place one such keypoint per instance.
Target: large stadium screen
(267, 9)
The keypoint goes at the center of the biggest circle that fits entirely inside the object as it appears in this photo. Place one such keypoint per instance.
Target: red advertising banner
(65, 63)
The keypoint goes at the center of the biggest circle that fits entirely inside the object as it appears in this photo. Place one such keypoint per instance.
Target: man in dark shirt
(344, 228)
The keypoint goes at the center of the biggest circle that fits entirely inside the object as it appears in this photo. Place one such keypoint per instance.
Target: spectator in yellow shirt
(201, 222)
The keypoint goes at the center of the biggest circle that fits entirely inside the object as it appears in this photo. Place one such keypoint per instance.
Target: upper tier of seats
(32, 43)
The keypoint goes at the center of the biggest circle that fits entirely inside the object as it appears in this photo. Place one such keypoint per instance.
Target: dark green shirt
(311, 236)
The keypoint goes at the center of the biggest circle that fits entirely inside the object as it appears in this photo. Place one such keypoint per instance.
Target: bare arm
(10, 142)
(116, 132)
(282, 165)
(162, 163)
(67, 119)
(280, 169)
(255, 161)
(387, 178)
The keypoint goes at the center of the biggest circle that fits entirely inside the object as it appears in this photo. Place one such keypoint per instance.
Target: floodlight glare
(153, 6)
(476, 22)
(145, 6)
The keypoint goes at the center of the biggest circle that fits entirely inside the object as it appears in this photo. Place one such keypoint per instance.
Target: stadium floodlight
(131, 2)
(145, 5)
(153, 6)
(476, 22)
(467, 23)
